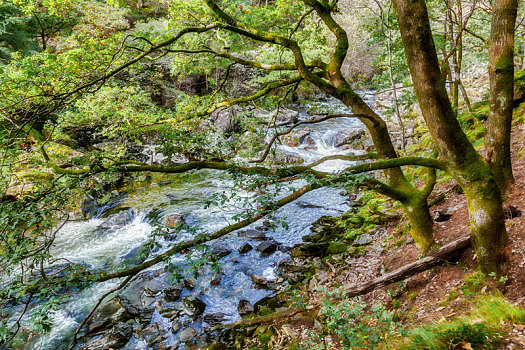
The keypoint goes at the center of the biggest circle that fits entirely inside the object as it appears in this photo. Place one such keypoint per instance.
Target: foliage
(353, 325)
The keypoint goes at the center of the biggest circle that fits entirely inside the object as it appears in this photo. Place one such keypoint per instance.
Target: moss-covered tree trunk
(501, 72)
(463, 161)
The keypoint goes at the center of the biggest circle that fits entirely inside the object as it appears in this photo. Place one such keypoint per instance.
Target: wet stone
(175, 220)
(116, 338)
(172, 293)
(175, 325)
(189, 283)
(214, 318)
(187, 335)
(110, 313)
(217, 278)
(146, 314)
(154, 333)
(193, 305)
(267, 247)
(221, 251)
(259, 280)
(245, 248)
(253, 234)
(245, 307)
(154, 286)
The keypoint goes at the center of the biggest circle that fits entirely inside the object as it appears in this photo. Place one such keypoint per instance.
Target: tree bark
(463, 161)
(501, 73)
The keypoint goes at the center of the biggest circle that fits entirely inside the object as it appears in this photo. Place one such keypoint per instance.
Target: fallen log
(448, 253)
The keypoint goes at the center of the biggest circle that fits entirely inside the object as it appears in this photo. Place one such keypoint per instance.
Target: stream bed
(119, 229)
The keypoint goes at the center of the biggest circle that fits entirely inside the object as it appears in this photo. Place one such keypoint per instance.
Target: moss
(337, 248)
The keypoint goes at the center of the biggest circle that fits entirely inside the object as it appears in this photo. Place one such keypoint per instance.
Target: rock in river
(267, 247)
(245, 307)
(193, 305)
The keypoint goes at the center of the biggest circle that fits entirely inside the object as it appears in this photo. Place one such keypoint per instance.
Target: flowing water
(104, 241)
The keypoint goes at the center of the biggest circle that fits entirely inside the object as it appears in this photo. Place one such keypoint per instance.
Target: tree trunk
(463, 161)
(501, 72)
(421, 223)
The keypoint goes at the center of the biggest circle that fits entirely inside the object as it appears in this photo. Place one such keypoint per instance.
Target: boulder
(221, 251)
(286, 116)
(116, 338)
(245, 248)
(296, 137)
(121, 218)
(174, 220)
(363, 240)
(253, 234)
(187, 334)
(89, 207)
(154, 333)
(260, 281)
(193, 306)
(345, 137)
(267, 247)
(131, 296)
(281, 158)
(154, 286)
(172, 293)
(175, 325)
(214, 318)
(109, 314)
(225, 119)
(245, 307)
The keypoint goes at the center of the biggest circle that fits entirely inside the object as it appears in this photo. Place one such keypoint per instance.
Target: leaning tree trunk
(463, 161)
(501, 72)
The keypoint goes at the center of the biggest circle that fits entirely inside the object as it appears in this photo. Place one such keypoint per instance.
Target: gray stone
(116, 338)
(245, 248)
(154, 286)
(221, 251)
(89, 207)
(109, 314)
(253, 234)
(146, 314)
(187, 335)
(154, 333)
(259, 280)
(131, 296)
(286, 116)
(225, 119)
(267, 247)
(214, 318)
(193, 305)
(296, 137)
(217, 278)
(363, 240)
(245, 307)
(175, 325)
(172, 293)
(345, 137)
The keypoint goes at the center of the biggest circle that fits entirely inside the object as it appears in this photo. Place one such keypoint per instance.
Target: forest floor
(437, 295)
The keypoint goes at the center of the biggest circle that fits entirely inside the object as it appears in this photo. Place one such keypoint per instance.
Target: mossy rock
(313, 249)
(337, 248)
